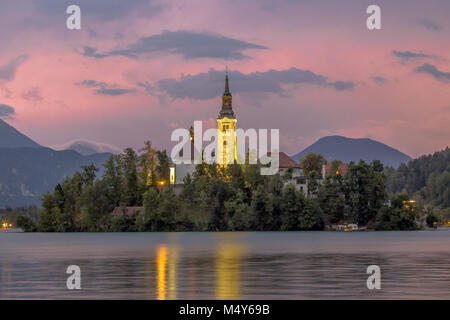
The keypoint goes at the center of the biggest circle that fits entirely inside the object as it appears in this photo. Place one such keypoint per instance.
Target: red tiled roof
(286, 161)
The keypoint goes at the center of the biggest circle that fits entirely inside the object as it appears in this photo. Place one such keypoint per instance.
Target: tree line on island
(238, 198)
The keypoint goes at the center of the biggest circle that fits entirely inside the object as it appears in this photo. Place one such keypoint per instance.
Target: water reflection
(161, 262)
(228, 265)
(260, 265)
(166, 274)
(173, 260)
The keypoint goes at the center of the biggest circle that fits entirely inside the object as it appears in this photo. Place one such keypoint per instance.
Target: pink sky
(408, 107)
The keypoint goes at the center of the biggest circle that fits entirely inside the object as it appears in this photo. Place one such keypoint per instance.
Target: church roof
(227, 109)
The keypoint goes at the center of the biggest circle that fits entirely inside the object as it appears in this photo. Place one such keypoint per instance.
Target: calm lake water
(246, 265)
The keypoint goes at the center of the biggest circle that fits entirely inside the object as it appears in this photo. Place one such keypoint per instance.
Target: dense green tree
(26, 223)
(364, 190)
(397, 216)
(292, 203)
(331, 198)
(129, 162)
(311, 217)
(114, 180)
(312, 162)
(261, 210)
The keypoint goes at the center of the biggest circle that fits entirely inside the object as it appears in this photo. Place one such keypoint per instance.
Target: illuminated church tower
(226, 129)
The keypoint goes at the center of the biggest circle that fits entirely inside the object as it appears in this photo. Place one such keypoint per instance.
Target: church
(227, 150)
(226, 139)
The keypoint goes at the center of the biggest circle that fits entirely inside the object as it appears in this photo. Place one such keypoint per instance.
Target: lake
(228, 265)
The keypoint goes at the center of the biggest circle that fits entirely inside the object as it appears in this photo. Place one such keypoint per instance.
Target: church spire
(227, 88)
(227, 109)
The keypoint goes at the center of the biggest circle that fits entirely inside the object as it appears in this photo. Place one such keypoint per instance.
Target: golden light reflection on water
(166, 274)
(161, 262)
(228, 264)
(173, 260)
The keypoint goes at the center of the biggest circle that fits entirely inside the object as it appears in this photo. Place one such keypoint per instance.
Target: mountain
(27, 173)
(348, 149)
(86, 147)
(28, 170)
(11, 138)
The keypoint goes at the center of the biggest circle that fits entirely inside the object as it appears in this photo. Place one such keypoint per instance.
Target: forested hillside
(426, 179)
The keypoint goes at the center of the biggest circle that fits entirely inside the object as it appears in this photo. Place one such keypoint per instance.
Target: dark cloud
(188, 44)
(406, 56)
(378, 79)
(6, 111)
(92, 52)
(92, 84)
(8, 71)
(103, 10)
(104, 88)
(34, 95)
(433, 71)
(114, 92)
(208, 85)
(430, 25)
(342, 85)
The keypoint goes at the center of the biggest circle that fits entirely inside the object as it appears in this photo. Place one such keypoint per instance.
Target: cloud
(8, 71)
(105, 89)
(92, 52)
(433, 71)
(430, 25)
(88, 147)
(114, 92)
(190, 45)
(207, 85)
(152, 90)
(102, 10)
(34, 95)
(92, 84)
(378, 79)
(342, 85)
(406, 56)
(6, 112)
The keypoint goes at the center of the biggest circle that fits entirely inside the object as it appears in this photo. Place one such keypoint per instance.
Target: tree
(89, 174)
(132, 195)
(311, 217)
(95, 207)
(331, 198)
(239, 215)
(149, 163)
(151, 204)
(292, 203)
(163, 166)
(260, 211)
(364, 190)
(25, 223)
(313, 184)
(312, 162)
(114, 180)
(397, 216)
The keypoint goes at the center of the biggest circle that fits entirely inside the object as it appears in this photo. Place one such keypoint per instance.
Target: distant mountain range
(347, 149)
(11, 138)
(28, 170)
(86, 147)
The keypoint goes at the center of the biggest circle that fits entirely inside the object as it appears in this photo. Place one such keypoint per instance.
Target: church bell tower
(226, 129)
